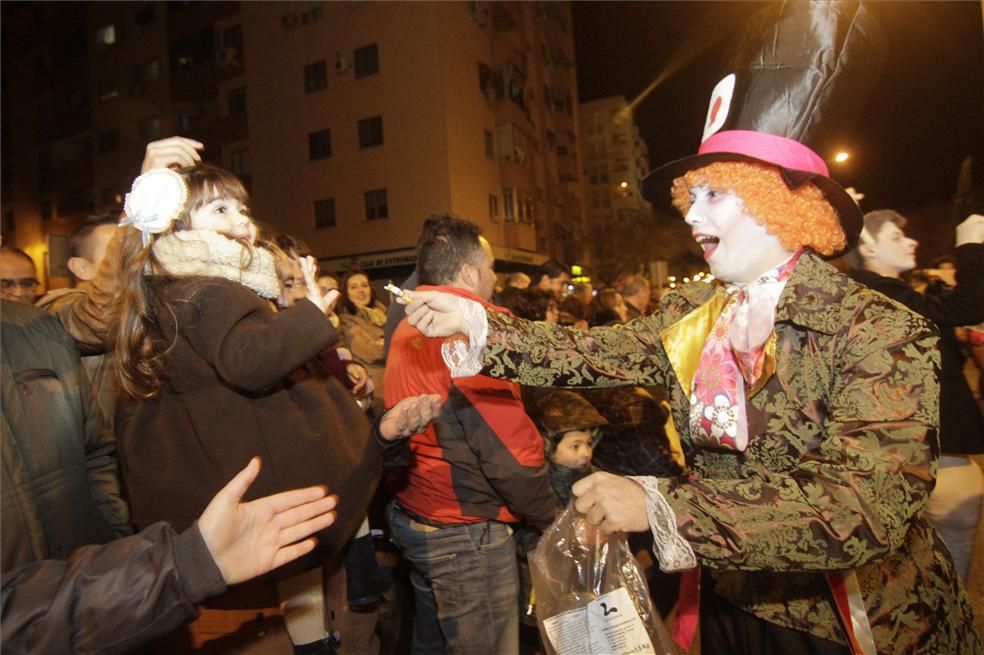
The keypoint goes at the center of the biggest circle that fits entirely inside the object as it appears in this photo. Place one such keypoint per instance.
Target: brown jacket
(110, 598)
(228, 398)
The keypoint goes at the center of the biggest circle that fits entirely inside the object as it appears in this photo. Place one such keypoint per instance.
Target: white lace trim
(463, 355)
(672, 550)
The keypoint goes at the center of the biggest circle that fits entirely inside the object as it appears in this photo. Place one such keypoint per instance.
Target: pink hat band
(774, 149)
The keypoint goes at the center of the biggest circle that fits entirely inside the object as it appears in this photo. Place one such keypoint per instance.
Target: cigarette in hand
(398, 292)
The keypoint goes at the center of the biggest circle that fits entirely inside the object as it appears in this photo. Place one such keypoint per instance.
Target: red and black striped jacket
(482, 458)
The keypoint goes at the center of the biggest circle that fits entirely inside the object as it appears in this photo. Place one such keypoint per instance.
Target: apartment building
(349, 121)
(616, 159)
(373, 115)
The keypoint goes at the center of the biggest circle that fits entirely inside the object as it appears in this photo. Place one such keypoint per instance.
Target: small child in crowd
(571, 427)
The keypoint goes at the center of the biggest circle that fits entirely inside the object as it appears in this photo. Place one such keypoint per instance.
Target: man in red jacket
(478, 468)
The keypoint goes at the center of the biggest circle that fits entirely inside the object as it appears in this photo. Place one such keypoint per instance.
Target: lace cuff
(672, 550)
(463, 356)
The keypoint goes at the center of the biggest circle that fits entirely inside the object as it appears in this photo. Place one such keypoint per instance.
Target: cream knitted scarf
(206, 253)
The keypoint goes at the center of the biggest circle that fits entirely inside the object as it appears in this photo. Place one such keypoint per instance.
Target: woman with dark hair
(531, 304)
(363, 318)
(607, 308)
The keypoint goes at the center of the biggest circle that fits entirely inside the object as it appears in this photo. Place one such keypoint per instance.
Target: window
(489, 145)
(192, 49)
(319, 144)
(311, 16)
(494, 207)
(106, 35)
(150, 128)
(366, 60)
(145, 15)
(509, 205)
(237, 101)
(109, 141)
(324, 213)
(239, 163)
(230, 54)
(376, 204)
(148, 71)
(232, 37)
(526, 208)
(371, 132)
(315, 76)
(107, 89)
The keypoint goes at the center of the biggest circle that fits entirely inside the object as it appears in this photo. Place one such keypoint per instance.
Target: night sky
(925, 115)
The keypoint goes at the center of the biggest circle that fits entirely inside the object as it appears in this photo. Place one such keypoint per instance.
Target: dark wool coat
(228, 398)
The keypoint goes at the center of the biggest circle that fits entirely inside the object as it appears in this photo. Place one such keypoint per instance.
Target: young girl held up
(199, 345)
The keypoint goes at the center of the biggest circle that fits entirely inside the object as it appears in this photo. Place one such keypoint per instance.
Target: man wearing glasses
(18, 279)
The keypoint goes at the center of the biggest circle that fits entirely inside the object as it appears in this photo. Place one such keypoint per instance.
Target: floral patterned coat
(841, 456)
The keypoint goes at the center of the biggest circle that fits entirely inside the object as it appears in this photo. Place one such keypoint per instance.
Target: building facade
(349, 121)
(616, 159)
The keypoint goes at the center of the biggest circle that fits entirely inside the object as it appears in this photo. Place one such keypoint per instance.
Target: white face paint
(736, 246)
(891, 252)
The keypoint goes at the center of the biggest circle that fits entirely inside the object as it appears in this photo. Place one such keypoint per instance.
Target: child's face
(574, 450)
(227, 216)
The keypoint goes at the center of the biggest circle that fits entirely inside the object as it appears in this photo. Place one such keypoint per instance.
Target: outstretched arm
(541, 354)
(250, 539)
(114, 597)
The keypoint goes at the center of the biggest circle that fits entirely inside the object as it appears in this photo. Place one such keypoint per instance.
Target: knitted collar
(206, 253)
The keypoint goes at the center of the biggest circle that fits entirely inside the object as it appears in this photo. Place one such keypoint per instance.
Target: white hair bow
(155, 200)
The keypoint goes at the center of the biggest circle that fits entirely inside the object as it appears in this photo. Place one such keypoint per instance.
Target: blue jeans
(465, 585)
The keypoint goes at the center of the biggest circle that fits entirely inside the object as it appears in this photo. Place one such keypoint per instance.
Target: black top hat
(801, 69)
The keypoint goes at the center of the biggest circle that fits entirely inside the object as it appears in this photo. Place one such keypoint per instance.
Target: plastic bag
(591, 596)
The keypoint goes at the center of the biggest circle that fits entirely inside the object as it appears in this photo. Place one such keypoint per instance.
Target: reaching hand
(174, 152)
(358, 376)
(615, 503)
(250, 539)
(434, 313)
(326, 302)
(409, 416)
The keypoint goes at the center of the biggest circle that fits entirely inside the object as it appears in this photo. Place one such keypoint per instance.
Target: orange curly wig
(797, 217)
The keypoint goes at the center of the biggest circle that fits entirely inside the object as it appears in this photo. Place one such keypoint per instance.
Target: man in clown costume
(807, 404)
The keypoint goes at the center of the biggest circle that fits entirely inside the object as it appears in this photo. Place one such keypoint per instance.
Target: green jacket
(840, 462)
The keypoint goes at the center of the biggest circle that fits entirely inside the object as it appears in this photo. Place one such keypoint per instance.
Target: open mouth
(707, 243)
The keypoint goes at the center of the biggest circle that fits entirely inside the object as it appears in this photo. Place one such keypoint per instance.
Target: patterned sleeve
(851, 497)
(545, 355)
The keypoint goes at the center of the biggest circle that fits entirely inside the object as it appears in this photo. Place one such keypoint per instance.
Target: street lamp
(842, 157)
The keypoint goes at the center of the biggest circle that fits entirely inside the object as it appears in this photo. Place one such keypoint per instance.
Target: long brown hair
(139, 338)
(349, 307)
